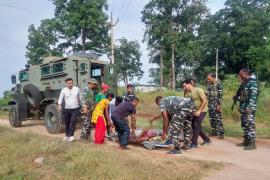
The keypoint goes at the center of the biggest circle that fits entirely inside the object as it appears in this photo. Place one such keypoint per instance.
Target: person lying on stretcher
(144, 135)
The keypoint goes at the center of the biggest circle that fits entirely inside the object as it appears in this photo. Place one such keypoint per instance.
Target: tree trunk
(83, 39)
(161, 69)
(173, 63)
(125, 80)
(173, 68)
(170, 79)
(74, 46)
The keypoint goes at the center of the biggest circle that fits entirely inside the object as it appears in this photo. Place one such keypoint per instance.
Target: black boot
(251, 145)
(243, 144)
(213, 133)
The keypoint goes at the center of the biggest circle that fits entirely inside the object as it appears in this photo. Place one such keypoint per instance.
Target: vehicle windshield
(23, 76)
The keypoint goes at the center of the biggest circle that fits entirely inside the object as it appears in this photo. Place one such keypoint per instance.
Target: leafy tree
(82, 24)
(6, 98)
(239, 31)
(42, 42)
(78, 25)
(171, 26)
(128, 60)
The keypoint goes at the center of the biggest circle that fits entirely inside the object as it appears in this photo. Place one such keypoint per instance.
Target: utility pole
(161, 69)
(217, 63)
(112, 24)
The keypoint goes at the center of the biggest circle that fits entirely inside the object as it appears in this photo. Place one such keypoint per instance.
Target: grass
(147, 109)
(87, 161)
(3, 114)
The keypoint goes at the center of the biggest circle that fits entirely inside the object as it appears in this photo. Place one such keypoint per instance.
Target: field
(80, 160)
(147, 109)
(87, 161)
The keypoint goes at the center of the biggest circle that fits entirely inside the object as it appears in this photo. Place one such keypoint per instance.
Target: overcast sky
(17, 15)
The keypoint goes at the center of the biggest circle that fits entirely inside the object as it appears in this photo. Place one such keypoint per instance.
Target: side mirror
(13, 79)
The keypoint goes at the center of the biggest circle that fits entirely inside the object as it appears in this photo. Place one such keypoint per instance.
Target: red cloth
(100, 131)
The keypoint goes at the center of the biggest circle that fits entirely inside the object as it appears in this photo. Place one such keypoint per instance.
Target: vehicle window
(82, 67)
(45, 70)
(59, 67)
(96, 72)
(23, 76)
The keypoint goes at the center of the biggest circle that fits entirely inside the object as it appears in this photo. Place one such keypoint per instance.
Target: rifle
(234, 102)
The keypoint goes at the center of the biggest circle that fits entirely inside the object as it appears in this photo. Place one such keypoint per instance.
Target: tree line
(182, 38)
(82, 26)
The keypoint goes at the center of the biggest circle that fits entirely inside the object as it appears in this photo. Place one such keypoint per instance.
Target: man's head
(129, 88)
(69, 83)
(110, 96)
(118, 100)
(188, 85)
(158, 99)
(211, 78)
(92, 83)
(105, 88)
(134, 101)
(244, 74)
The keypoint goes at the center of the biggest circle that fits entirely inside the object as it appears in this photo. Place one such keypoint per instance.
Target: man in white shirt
(72, 96)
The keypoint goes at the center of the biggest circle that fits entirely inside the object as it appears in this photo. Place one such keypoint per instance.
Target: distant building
(146, 88)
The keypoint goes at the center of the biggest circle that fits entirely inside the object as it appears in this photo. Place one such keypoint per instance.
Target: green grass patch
(3, 114)
(78, 160)
(147, 109)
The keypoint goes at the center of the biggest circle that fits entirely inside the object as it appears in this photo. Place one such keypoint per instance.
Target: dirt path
(239, 164)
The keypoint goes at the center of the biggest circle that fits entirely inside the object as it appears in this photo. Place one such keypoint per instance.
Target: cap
(105, 86)
(129, 85)
(92, 81)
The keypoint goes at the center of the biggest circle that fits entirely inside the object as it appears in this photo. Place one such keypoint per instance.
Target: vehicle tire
(53, 119)
(32, 95)
(14, 120)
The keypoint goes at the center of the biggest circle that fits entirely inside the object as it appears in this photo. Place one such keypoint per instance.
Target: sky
(17, 15)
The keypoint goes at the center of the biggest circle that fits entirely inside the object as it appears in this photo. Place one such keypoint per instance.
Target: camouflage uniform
(128, 96)
(247, 96)
(214, 94)
(88, 100)
(180, 109)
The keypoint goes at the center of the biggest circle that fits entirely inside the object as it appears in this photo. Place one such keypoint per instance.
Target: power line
(122, 6)
(23, 9)
(113, 4)
(125, 11)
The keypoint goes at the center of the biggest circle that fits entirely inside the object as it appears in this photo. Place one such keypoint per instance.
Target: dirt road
(239, 164)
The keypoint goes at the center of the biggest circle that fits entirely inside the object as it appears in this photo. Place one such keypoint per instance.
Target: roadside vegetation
(87, 161)
(147, 109)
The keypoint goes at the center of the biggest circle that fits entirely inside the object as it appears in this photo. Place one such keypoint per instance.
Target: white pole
(112, 24)
(217, 64)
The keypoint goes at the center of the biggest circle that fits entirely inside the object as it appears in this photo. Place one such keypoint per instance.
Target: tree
(128, 60)
(78, 25)
(238, 30)
(42, 42)
(171, 26)
(82, 24)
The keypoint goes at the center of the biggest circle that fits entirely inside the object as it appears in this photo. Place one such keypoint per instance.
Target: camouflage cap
(92, 81)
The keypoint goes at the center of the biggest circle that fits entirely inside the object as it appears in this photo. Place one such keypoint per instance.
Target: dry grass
(87, 161)
(3, 114)
(147, 108)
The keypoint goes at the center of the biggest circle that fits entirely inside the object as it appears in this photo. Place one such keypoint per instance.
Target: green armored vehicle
(36, 94)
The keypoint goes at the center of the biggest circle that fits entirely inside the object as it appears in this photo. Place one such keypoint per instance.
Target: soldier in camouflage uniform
(180, 109)
(247, 95)
(129, 94)
(88, 103)
(214, 94)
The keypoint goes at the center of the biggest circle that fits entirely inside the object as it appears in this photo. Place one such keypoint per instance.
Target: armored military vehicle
(35, 95)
